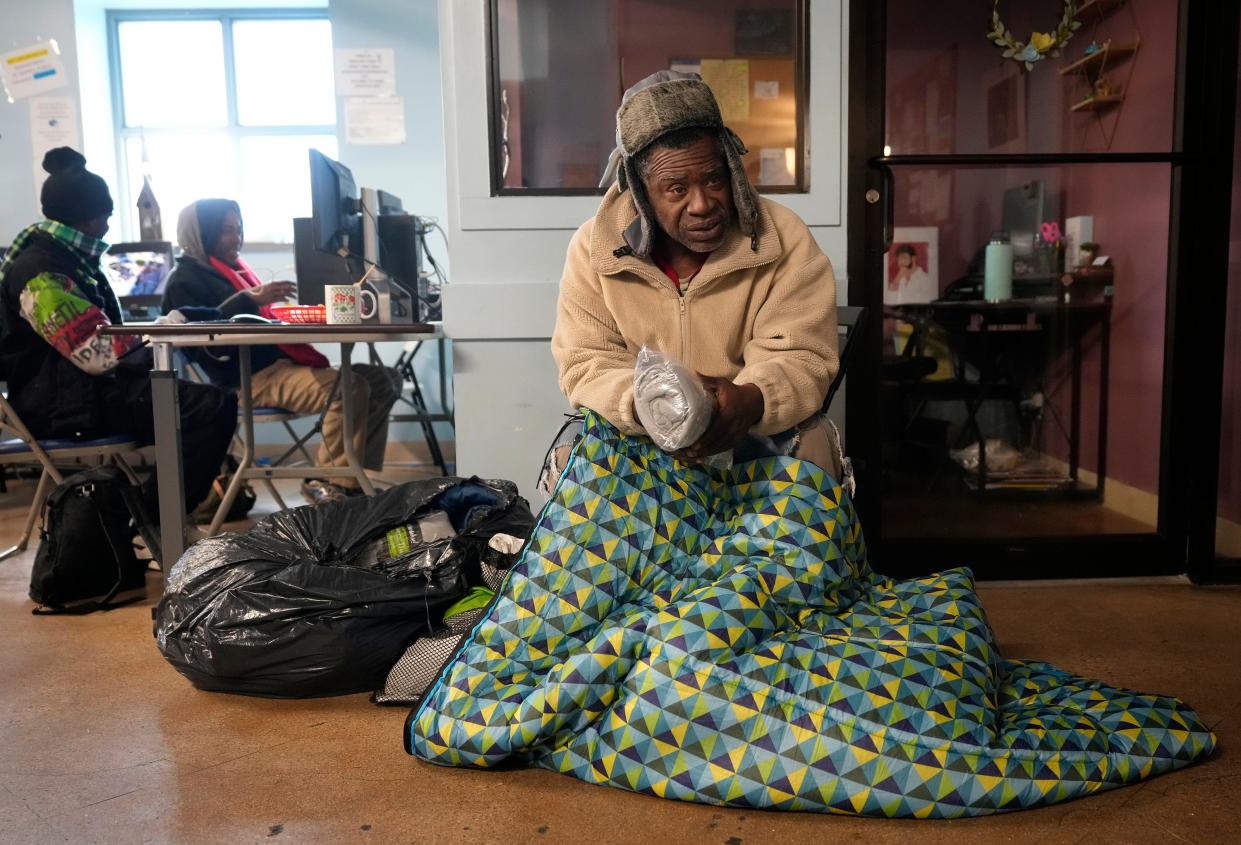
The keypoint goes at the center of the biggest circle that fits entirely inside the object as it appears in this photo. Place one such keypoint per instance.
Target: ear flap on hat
(613, 170)
(745, 198)
(641, 202)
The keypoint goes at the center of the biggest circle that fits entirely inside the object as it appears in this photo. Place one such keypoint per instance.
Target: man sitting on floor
(64, 379)
(684, 257)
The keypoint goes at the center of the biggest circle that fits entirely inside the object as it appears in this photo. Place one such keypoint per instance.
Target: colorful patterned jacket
(53, 300)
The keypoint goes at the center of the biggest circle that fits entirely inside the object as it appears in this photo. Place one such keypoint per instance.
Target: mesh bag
(418, 668)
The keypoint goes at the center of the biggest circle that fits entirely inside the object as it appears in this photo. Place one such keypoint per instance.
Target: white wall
(21, 24)
(508, 252)
(414, 170)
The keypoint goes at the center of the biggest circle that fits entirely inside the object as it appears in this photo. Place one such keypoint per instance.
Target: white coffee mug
(344, 304)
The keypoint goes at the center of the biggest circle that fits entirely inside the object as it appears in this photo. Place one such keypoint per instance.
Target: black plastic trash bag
(302, 605)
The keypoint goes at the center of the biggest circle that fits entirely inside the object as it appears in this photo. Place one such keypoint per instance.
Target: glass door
(1228, 496)
(1019, 231)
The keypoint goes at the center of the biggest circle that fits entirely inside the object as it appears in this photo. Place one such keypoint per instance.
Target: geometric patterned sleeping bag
(718, 636)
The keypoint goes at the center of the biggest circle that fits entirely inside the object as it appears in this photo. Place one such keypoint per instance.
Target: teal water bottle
(998, 273)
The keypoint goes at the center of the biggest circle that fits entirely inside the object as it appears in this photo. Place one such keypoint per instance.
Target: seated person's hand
(272, 292)
(140, 359)
(738, 408)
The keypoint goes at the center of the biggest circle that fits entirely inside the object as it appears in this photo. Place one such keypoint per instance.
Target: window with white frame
(222, 104)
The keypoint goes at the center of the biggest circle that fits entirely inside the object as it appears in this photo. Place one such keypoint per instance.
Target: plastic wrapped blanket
(672, 405)
(718, 636)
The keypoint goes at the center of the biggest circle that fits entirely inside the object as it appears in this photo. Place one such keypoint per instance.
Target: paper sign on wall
(729, 80)
(53, 123)
(766, 89)
(32, 70)
(776, 166)
(367, 72)
(375, 120)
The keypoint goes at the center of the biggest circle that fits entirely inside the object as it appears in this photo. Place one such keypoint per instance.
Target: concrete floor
(101, 741)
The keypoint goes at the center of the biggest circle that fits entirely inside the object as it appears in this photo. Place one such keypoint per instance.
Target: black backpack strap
(84, 607)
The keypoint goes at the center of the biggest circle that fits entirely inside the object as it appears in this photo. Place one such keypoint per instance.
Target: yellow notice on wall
(32, 70)
(729, 80)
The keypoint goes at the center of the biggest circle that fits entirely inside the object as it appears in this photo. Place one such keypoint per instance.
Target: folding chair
(20, 446)
(852, 318)
(282, 416)
(416, 400)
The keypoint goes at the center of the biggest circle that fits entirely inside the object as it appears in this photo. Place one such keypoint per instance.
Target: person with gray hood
(211, 273)
(685, 258)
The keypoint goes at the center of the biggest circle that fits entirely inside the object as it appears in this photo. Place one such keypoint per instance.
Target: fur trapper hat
(662, 103)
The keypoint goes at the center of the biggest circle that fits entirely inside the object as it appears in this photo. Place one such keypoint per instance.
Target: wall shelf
(1099, 103)
(1098, 9)
(1089, 65)
(1099, 81)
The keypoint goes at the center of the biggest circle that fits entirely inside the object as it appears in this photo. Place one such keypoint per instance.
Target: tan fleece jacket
(765, 317)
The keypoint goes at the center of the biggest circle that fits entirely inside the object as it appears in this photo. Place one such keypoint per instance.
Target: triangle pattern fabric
(718, 636)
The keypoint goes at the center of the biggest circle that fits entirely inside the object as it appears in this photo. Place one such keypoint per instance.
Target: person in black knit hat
(64, 379)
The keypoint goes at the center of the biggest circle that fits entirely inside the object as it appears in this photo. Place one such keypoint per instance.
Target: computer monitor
(1025, 208)
(389, 203)
(337, 214)
(138, 273)
(370, 231)
(316, 268)
(400, 256)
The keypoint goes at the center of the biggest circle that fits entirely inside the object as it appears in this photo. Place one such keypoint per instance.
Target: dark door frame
(1201, 162)
(1191, 450)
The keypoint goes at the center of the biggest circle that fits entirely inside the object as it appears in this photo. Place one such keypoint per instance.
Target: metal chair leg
(40, 496)
(300, 442)
(127, 469)
(405, 365)
(275, 494)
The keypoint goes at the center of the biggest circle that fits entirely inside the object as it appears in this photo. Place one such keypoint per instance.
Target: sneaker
(317, 492)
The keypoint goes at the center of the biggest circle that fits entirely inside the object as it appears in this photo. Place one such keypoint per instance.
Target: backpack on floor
(86, 559)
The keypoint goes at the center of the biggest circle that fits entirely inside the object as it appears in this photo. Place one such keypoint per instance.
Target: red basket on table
(300, 313)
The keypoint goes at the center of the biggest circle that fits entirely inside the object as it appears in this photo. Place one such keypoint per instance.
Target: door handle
(882, 207)
(888, 189)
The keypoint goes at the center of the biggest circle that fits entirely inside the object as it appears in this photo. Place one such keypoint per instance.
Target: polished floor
(928, 507)
(100, 741)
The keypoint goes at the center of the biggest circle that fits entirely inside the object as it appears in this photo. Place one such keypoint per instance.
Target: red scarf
(243, 278)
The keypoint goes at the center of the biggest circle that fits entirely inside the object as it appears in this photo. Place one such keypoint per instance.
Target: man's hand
(738, 408)
(272, 292)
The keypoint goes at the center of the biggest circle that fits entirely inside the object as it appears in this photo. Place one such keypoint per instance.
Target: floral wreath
(1041, 44)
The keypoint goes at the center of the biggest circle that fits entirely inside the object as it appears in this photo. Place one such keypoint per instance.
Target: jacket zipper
(684, 327)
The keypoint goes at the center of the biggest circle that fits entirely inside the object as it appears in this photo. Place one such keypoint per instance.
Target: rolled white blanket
(671, 403)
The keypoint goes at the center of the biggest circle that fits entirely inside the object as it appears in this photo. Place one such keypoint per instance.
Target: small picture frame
(912, 266)
(1005, 87)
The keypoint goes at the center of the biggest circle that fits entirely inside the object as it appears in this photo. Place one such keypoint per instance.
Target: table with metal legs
(165, 339)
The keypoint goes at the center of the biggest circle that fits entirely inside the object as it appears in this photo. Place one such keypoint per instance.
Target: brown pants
(818, 442)
(304, 390)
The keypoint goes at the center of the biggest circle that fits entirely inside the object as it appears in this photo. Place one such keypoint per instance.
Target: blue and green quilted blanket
(718, 636)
